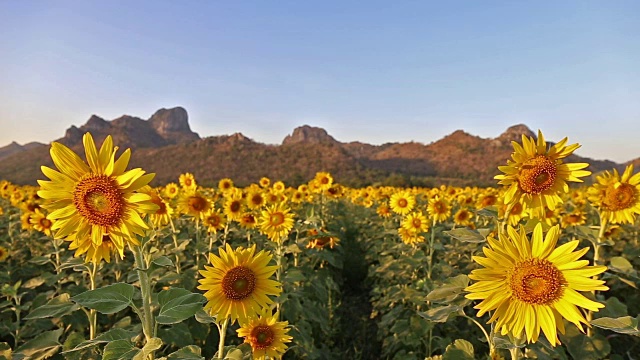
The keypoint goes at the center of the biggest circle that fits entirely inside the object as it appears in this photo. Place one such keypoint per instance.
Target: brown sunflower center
(261, 337)
(417, 223)
(537, 175)
(440, 207)
(257, 199)
(45, 223)
(276, 219)
(197, 203)
(620, 196)
(324, 180)
(463, 215)
(489, 200)
(214, 220)
(516, 210)
(403, 203)
(238, 283)
(536, 281)
(99, 199)
(234, 206)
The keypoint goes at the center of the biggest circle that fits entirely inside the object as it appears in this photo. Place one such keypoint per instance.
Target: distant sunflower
(214, 220)
(237, 285)
(402, 202)
(171, 190)
(234, 205)
(574, 218)
(323, 180)
(617, 197)
(100, 198)
(41, 223)
(188, 181)
(383, 210)
(193, 203)
(439, 208)
(531, 285)
(265, 182)
(537, 176)
(248, 221)
(266, 335)
(4, 253)
(225, 185)
(256, 199)
(410, 237)
(161, 216)
(415, 222)
(463, 217)
(276, 222)
(278, 187)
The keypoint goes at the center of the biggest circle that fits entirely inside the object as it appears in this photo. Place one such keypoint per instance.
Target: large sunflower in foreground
(536, 175)
(238, 283)
(531, 285)
(266, 335)
(90, 200)
(617, 197)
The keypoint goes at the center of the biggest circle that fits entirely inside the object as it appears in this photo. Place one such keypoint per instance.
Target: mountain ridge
(165, 144)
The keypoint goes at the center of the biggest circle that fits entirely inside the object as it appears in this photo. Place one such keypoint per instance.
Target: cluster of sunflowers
(526, 280)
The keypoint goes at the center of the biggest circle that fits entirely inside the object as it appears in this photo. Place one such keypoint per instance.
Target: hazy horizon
(401, 72)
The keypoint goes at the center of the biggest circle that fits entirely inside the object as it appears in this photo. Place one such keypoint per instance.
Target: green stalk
(516, 354)
(93, 315)
(145, 289)
(431, 241)
(597, 256)
(223, 332)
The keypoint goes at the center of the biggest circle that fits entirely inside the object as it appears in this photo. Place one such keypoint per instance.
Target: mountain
(14, 148)
(165, 144)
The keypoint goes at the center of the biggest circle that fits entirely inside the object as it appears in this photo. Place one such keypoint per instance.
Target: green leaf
(204, 318)
(191, 352)
(448, 292)
(120, 350)
(40, 260)
(177, 304)
(235, 354)
(41, 345)
(620, 264)
(107, 300)
(111, 335)
(152, 345)
(160, 262)
(584, 347)
(490, 211)
(613, 308)
(440, 314)
(56, 307)
(466, 235)
(623, 325)
(459, 350)
(294, 275)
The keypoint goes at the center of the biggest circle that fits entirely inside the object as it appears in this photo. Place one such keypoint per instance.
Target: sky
(374, 71)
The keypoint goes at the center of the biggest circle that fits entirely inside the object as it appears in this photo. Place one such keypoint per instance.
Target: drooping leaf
(107, 300)
(56, 307)
(177, 304)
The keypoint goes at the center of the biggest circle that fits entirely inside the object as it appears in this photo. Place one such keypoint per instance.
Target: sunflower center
(537, 174)
(234, 206)
(440, 208)
(99, 199)
(276, 219)
(197, 203)
(417, 223)
(489, 200)
(238, 283)
(463, 215)
(257, 199)
(620, 197)
(536, 281)
(261, 337)
(403, 203)
(45, 223)
(214, 220)
(516, 209)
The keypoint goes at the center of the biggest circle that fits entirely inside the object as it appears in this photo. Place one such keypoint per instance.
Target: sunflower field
(97, 264)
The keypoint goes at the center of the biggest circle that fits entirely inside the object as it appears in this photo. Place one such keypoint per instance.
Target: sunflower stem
(486, 335)
(278, 270)
(175, 244)
(145, 289)
(93, 315)
(516, 354)
(197, 246)
(223, 332)
(597, 256)
(431, 241)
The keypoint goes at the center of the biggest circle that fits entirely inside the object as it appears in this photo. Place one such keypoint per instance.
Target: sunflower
(617, 197)
(41, 223)
(516, 213)
(171, 190)
(4, 253)
(402, 202)
(462, 217)
(265, 182)
(234, 204)
(237, 285)
(410, 237)
(248, 221)
(537, 175)
(100, 198)
(439, 208)
(276, 222)
(266, 335)
(256, 199)
(225, 185)
(278, 187)
(161, 216)
(415, 222)
(188, 181)
(531, 285)
(298, 196)
(383, 210)
(320, 242)
(193, 203)
(213, 220)
(574, 218)
(323, 181)
(25, 220)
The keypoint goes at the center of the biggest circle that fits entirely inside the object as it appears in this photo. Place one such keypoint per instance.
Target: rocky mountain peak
(308, 134)
(514, 133)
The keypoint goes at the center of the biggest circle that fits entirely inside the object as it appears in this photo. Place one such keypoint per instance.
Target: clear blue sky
(364, 70)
